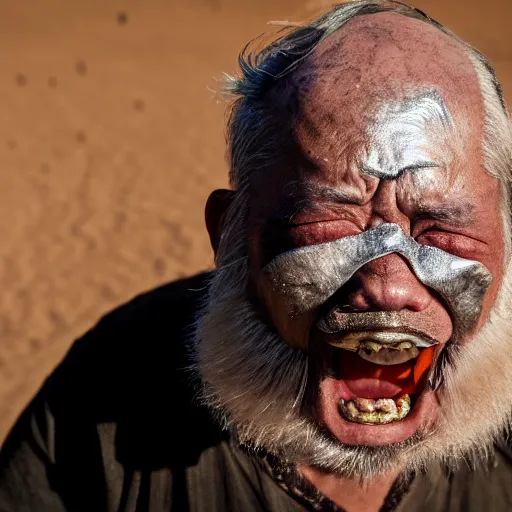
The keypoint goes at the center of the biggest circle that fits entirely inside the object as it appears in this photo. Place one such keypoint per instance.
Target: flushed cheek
(495, 261)
(270, 304)
(293, 329)
(489, 301)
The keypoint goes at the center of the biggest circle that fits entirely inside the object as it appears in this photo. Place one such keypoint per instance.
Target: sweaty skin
(336, 99)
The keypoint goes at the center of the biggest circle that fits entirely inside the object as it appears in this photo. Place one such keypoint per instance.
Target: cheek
(497, 273)
(293, 330)
(497, 260)
(496, 267)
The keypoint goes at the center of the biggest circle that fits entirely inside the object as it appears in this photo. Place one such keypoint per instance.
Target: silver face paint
(403, 131)
(307, 277)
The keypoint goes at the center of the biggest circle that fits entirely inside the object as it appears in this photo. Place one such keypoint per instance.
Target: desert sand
(111, 138)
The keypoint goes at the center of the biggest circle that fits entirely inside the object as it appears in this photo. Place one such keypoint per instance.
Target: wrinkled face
(386, 189)
(347, 324)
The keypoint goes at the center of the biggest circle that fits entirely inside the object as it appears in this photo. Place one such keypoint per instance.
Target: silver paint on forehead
(401, 135)
(306, 278)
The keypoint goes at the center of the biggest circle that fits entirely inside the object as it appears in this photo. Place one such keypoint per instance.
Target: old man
(352, 349)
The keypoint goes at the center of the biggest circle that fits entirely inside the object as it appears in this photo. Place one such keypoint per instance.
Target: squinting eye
(454, 243)
(314, 233)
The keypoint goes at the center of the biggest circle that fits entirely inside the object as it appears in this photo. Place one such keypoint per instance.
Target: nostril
(348, 308)
(357, 301)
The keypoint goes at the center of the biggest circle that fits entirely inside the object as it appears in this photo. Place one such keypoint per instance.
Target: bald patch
(381, 56)
(389, 49)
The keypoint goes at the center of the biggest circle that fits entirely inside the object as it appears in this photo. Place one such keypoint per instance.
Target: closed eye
(451, 242)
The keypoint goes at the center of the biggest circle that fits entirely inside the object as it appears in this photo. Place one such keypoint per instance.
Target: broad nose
(388, 284)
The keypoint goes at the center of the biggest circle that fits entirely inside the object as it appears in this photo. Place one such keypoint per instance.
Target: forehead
(371, 75)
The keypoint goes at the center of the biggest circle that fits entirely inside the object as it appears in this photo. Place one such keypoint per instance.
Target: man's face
(381, 140)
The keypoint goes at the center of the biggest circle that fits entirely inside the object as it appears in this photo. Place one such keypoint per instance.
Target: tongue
(368, 380)
(373, 388)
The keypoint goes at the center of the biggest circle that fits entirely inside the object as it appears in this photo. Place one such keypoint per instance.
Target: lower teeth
(375, 412)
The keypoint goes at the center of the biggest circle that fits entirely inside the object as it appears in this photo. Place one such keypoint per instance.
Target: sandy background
(110, 141)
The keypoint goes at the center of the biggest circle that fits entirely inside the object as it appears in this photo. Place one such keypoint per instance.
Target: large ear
(215, 213)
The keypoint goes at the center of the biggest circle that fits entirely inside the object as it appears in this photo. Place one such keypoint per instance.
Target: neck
(351, 495)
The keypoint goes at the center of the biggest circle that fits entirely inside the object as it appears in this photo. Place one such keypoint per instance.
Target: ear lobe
(215, 213)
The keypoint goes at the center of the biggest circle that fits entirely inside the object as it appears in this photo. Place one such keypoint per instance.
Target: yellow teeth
(387, 355)
(370, 346)
(396, 340)
(375, 412)
(386, 351)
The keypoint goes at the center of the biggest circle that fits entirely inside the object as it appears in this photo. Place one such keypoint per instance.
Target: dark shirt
(116, 427)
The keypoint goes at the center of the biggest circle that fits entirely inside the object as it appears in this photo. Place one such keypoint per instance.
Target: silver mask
(307, 277)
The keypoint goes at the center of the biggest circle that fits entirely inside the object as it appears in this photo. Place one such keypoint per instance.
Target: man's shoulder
(123, 402)
(156, 322)
(169, 306)
(133, 371)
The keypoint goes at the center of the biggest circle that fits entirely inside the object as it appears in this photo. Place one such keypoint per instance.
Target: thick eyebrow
(458, 214)
(301, 195)
(323, 192)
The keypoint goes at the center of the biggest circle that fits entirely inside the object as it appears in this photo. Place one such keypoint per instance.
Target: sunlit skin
(318, 193)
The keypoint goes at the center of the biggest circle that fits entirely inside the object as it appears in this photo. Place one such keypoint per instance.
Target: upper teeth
(383, 348)
(388, 355)
(397, 340)
(372, 346)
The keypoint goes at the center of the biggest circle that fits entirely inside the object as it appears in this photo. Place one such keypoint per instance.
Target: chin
(422, 416)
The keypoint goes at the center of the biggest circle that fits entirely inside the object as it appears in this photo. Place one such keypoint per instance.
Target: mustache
(418, 330)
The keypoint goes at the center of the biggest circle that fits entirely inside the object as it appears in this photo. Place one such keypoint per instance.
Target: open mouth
(382, 372)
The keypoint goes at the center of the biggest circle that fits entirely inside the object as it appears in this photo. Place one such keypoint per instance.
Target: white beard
(255, 382)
